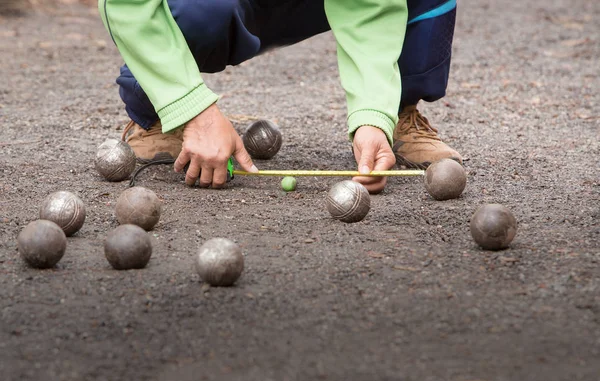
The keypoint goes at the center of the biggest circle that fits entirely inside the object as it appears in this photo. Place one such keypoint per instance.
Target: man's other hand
(209, 140)
(372, 152)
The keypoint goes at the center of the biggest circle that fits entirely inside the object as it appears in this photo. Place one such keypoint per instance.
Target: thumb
(367, 160)
(242, 157)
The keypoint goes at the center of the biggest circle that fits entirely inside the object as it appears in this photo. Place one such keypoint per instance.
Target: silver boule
(65, 209)
(115, 160)
(445, 179)
(219, 262)
(138, 206)
(128, 247)
(348, 201)
(262, 139)
(42, 244)
(493, 227)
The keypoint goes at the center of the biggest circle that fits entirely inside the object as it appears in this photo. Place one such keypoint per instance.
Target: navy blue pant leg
(228, 32)
(218, 32)
(426, 54)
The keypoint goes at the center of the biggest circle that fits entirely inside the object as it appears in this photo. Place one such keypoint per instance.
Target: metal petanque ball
(219, 262)
(65, 209)
(348, 201)
(493, 227)
(262, 139)
(138, 206)
(42, 244)
(115, 160)
(128, 247)
(445, 179)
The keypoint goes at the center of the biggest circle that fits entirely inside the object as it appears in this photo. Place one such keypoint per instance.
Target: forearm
(155, 50)
(369, 37)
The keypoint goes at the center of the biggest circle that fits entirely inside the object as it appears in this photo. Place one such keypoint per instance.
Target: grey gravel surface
(403, 295)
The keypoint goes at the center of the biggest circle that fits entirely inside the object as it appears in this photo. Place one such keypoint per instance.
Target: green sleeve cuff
(186, 108)
(373, 118)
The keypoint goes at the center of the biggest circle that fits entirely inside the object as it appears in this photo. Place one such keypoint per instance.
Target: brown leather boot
(152, 144)
(416, 143)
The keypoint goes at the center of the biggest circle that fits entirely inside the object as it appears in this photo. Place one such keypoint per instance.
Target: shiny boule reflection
(219, 262)
(65, 209)
(348, 201)
(262, 139)
(115, 160)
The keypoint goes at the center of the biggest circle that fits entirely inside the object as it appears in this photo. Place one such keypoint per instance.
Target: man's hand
(209, 140)
(373, 153)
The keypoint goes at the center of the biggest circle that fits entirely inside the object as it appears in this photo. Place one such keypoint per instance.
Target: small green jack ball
(288, 184)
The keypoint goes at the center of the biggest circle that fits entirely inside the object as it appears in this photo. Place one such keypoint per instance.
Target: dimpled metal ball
(348, 201)
(42, 244)
(115, 160)
(65, 209)
(138, 206)
(445, 179)
(493, 227)
(128, 247)
(219, 262)
(262, 139)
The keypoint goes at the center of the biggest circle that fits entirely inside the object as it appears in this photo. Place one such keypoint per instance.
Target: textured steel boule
(262, 139)
(115, 160)
(220, 262)
(493, 227)
(138, 206)
(128, 247)
(42, 244)
(65, 209)
(445, 179)
(348, 201)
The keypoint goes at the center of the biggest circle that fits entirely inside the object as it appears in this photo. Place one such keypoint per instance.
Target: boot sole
(158, 156)
(401, 161)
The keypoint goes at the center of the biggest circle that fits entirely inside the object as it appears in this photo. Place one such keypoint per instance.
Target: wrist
(372, 118)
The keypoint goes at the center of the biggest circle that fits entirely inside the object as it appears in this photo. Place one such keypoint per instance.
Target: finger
(181, 161)
(192, 173)
(206, 177)
(242, 157)
(367, 159)
(373, 184)
(366, 180)
(219, 177)
(385, 160)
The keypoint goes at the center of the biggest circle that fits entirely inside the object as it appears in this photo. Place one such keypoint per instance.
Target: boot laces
(411, 121)
(128, 130)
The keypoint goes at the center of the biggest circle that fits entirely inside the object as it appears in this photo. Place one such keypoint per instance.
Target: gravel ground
(403, 295)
